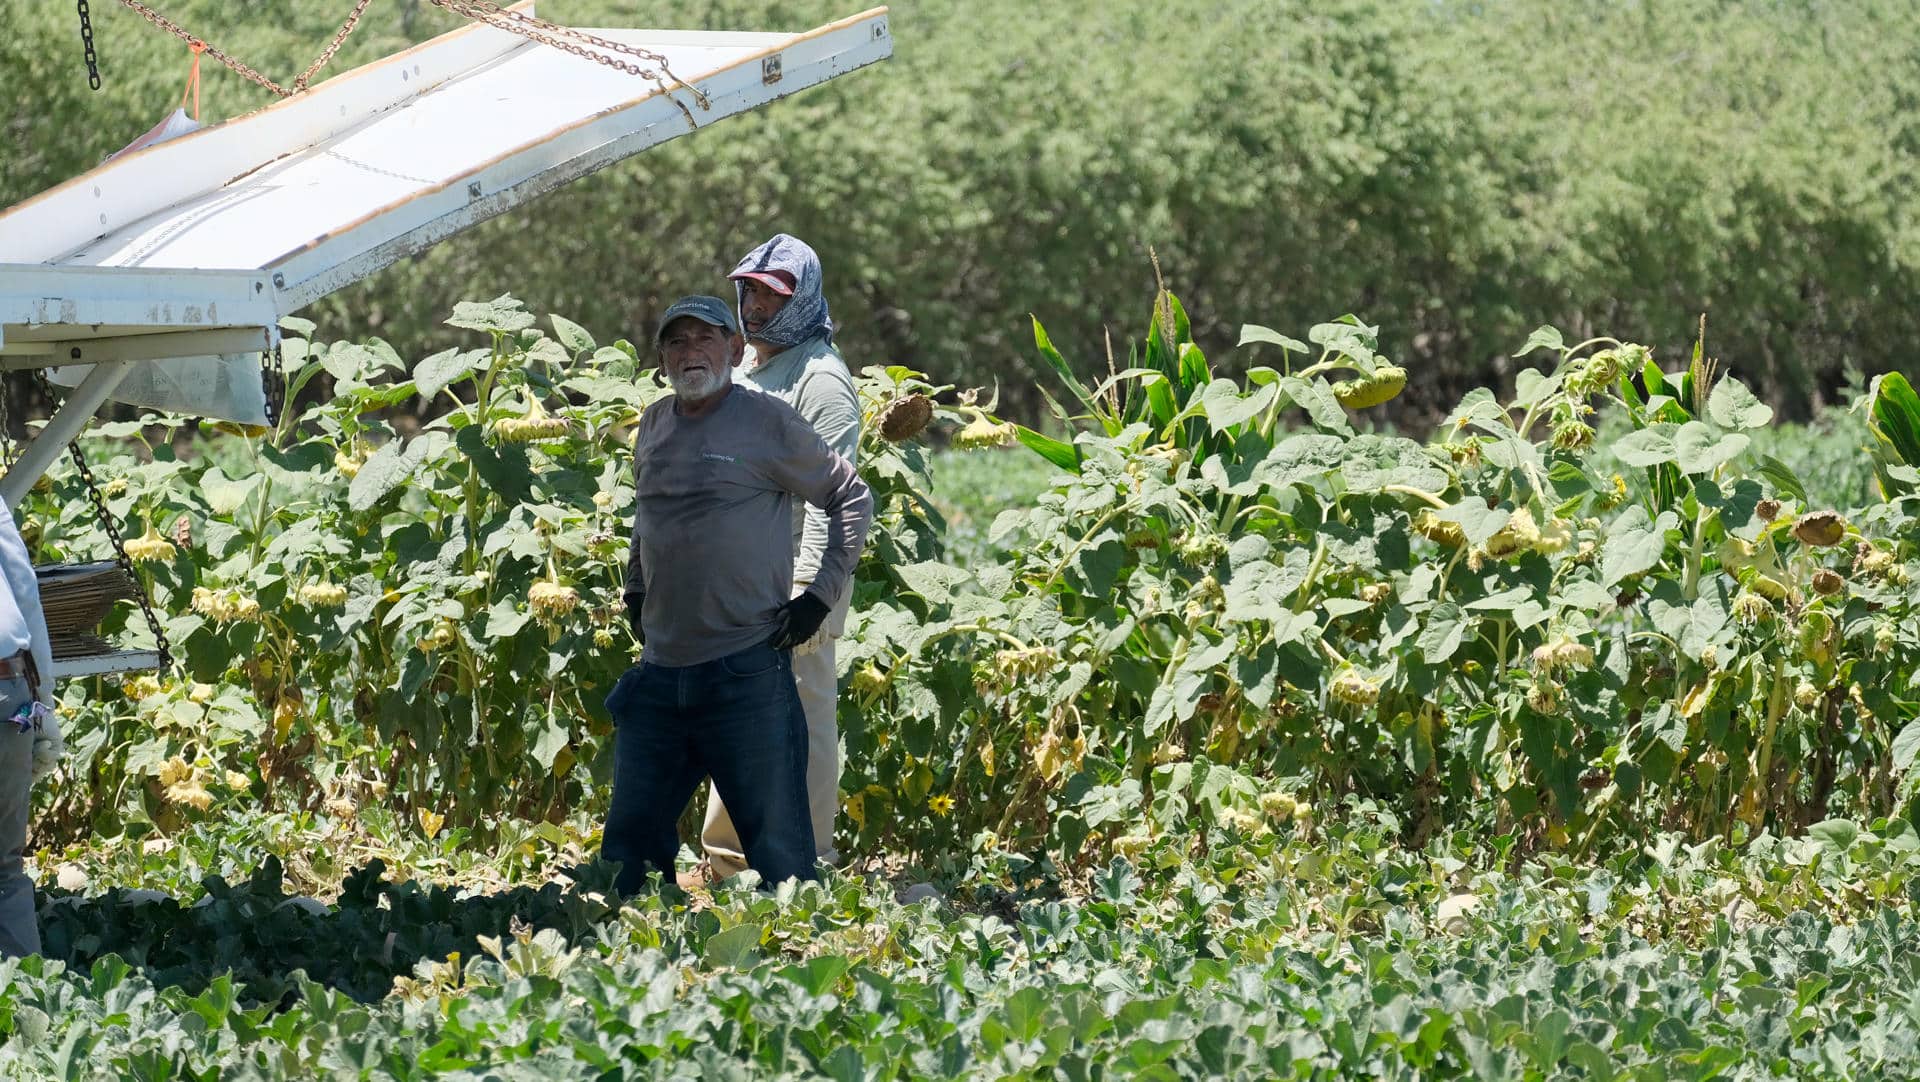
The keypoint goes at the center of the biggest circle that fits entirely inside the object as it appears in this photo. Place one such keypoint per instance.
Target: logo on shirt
(710, 456)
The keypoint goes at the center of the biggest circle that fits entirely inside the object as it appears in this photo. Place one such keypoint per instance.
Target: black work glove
(797, 621)
(633, 617)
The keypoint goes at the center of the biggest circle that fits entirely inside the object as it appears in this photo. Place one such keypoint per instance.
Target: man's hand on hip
(797, 621)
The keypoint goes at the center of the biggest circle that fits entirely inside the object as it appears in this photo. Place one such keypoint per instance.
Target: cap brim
(767, 278)
(676, 317)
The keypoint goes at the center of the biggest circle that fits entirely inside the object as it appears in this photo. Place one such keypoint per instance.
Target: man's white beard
(693, 388)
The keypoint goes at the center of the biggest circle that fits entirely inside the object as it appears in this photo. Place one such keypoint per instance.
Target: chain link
(99, 499)
(8, 452)
(273, 377)
(333, 46)
(86, 39)
(565, 38)
(238, 68)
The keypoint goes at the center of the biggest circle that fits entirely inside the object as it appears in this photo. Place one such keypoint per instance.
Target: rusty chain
(238, 68)
(86, 41)
(578, 42)
(339, 38)
(161, 645)
(565, 38)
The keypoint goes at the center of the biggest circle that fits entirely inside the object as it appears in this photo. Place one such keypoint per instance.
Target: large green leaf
(1314, 396)
(381, 474)
(1225, 407)
(1062, 454)
(1261, 590)
(1445, 628)
(1058, 365)
(1194, 370)
(224, 496)
(1650, 446)
(1895, 419)
(1635, 543)
(1542, 338)
(1732, 405)
(1253, 332)
(550, 738)
(1476, 519)
(932, 580)
(443, 369)
(572, 335)
(1906, 747)
(503, 314)
(1785, 481)
(1697, 450)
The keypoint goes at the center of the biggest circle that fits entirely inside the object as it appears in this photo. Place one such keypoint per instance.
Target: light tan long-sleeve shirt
(812, 378)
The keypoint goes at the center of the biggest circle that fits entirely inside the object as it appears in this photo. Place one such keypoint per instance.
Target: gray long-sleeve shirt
(712, 557)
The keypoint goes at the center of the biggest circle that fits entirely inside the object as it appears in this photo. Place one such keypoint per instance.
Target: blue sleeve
(25, 587)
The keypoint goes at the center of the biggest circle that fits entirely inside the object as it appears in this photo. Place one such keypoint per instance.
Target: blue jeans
(737, 720)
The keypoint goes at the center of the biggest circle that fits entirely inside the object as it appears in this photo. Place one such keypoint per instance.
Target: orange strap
(193, 78)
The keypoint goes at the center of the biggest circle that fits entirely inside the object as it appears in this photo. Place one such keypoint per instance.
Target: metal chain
(7, 449)
(557, 36)
(333, 46)
(564, 38)
(272, 381)
(86, 39)
(99, 499)
(240, 69)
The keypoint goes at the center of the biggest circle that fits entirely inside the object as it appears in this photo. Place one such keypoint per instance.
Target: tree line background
(1456, 172)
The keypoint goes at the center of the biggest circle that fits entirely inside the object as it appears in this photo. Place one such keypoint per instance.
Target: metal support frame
(101, 664)
(40, 300)
(137, 347)
(61, 429)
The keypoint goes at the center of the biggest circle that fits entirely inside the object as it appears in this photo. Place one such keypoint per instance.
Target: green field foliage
(1502, 624)
(1413, 571)
(1460, 172)
(1229, 601)
(1249, 739)
(1347, 956)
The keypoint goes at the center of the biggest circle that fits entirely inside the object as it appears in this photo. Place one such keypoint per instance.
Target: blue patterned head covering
(805, 313)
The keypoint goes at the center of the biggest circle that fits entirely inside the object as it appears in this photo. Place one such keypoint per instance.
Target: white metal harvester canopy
(159, 277)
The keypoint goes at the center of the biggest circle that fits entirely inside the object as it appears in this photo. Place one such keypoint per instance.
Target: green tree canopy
(1457, 173)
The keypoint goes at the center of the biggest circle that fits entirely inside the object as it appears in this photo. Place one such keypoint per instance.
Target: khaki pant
(818, 681)
(19, 929)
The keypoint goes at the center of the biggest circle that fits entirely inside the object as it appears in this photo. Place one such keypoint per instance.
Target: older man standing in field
(29, 732)
(792, 357)
(717, 470)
